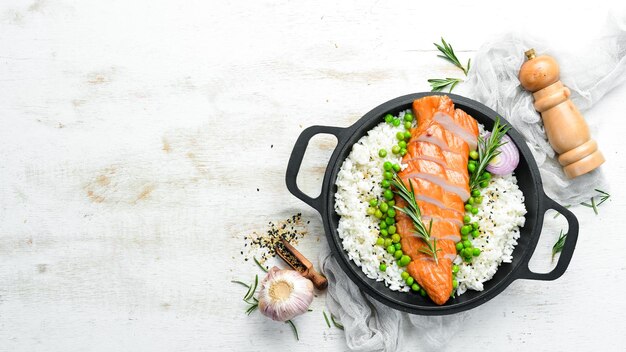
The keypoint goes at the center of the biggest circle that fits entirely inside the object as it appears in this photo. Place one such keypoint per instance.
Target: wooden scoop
(299, 263)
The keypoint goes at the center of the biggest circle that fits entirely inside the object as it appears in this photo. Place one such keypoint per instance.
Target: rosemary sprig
(487, 150)
(439, 84)
(241, 283)
(449, 55)
(293, 327)
(260, 265)
(413, 211)
(326, 318)
(337, 324)
(603, 198)
(558, 246)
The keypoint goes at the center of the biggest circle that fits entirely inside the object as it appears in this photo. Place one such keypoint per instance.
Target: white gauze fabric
(590, 74)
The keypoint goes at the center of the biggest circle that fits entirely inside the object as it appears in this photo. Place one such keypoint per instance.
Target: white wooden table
(134, 136)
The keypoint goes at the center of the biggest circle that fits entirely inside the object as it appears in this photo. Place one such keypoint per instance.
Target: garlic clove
(284, 294)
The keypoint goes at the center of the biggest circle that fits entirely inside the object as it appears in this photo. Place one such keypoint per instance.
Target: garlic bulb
(284, 294)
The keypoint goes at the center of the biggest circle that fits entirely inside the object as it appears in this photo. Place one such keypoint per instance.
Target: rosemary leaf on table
(449, 55)
(439, 84)
(603, 196)
(260, 265)
(337, 324)
(558, 246)
(293, 327)
(326, 318)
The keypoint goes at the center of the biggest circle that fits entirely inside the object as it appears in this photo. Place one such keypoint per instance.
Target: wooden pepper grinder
(567, 131)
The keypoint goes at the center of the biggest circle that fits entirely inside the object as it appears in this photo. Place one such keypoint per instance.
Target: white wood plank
(134, 136)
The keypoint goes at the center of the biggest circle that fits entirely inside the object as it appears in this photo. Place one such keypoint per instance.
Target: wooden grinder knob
(567, 130)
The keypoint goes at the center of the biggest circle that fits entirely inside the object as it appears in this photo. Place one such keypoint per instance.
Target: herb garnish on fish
(487, 150)
(413, 211)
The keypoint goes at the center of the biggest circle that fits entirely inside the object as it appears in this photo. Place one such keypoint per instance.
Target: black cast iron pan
(529, 181)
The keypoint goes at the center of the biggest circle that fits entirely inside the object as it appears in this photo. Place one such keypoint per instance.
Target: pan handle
(568, 248)
(295, 161)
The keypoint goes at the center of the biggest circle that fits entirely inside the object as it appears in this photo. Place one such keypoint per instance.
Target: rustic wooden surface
(141, 140)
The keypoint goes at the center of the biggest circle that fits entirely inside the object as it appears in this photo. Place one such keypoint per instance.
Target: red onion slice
(508, 159)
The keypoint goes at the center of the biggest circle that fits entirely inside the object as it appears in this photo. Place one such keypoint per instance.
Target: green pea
(391, 213)
(395, 238)
(387, 165)
(390, 221)
(387, 175)
(398, 246)
(466, 219)
(473, 154)
(382, 153)
(396, 122)
(471, 167)
(455, 269)
(388, 242)
(476, 252)
(388, 194)
(470, 200)
(474, 210)
(400, 136)
(463, 237)
(383, 207)
(468, 207)
(391, 249)
(407, 135)
(397, 254)
(455, 284)
(483, 184)
(486, 176)
(422, 292)
(396, 167)
(388, 118)
(475, 193)
(382, 267)
(408, 125)
(374, 202)
(475, 233)
(465, 229)
(404, 260)
(371, 211)
(475, 225)
(472, 162)
(459, 246)
(403, 151)
(409, 281)
(402, 144)
(408, 117)
(478, 200)
(395, 149)
(392, 229)
(385, 183)
(380, 241)
(384, 232)
(404, 275)
(467, 244)
(415, 287)
(467, 259)
(378, 213)
(383, 225)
